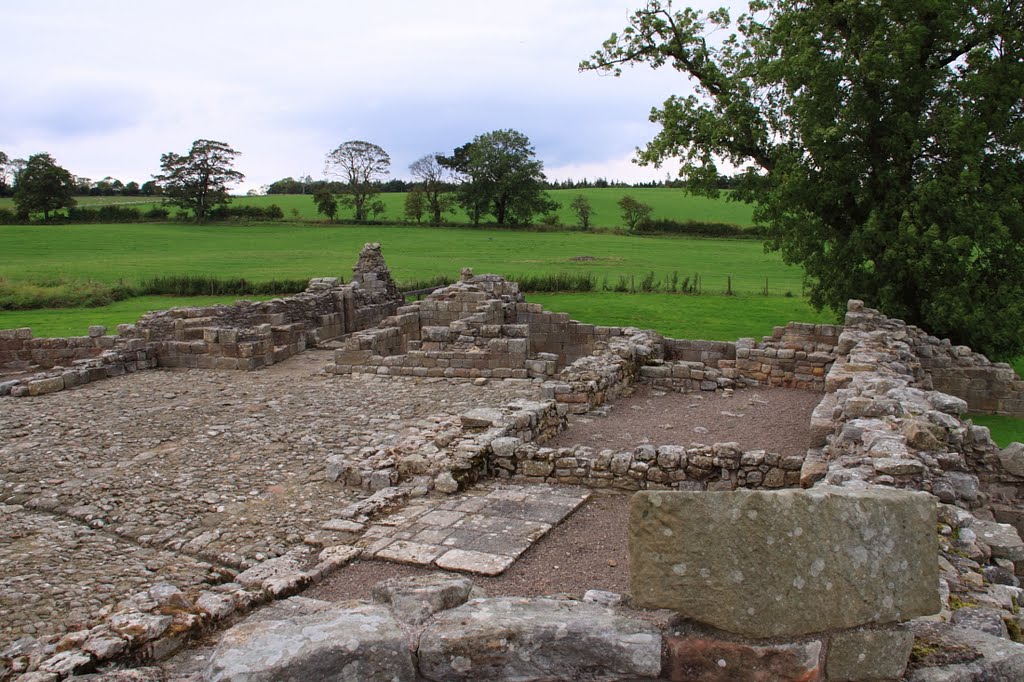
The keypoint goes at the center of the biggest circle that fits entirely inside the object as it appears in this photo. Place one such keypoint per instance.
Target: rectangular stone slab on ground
(785, 563)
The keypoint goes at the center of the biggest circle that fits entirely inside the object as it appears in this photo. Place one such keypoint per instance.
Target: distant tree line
(496, 175)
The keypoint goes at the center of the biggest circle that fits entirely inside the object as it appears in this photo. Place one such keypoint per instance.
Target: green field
(714, 318)
(130, 253)
(675, 204)
(76, 321)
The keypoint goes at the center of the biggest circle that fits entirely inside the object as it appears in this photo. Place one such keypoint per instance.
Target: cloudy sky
(106, 87)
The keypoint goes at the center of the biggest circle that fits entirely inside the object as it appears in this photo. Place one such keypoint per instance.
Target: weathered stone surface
(1000, 660)
(1002, 538)
(785, 563)
(716, 660)
(217, 605)
(987, 620)
(416, 598)
(357, 643)
(481, 563)
(869, 654)
(481, 418)
(535, 639)
(1012, 458)
(140, 627)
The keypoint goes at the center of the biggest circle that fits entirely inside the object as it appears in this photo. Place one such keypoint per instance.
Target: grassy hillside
(675, 204)
(112, 253)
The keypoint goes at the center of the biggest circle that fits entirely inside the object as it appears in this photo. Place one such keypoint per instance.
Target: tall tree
(199, 180)
(581, 207)
(883, 144)
(502, 176)
(325, 202)
(435, 185)
(44, 186)
(5, 174)
(359, 165)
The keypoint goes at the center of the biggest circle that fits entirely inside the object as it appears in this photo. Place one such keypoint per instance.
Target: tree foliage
(325, 202)
(199, 180)
(501, 176)
(5, 174)
(881, 142)
(581, 207)
(634, 212)
(415, 204)
(42, 185)
(434, 182)
(359, 165)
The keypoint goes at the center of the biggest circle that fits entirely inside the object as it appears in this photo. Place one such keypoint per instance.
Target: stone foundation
(244, 336)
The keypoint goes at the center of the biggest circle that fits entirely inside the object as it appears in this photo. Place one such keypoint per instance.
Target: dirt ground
(777, 420)
(586, 551)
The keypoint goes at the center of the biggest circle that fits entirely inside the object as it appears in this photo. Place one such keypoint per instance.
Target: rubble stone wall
(243, 336)
(721, 466)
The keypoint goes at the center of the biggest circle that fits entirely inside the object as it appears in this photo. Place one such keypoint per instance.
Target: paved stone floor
(481, 531)
(185, 476)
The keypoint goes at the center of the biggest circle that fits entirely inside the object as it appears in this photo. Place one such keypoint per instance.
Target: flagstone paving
(482, 531)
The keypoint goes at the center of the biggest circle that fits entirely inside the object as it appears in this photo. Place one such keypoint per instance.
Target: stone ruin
(819, 566)
(243, 336)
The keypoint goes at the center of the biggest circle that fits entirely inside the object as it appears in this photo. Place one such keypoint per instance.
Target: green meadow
(675, 204)
(52, 254)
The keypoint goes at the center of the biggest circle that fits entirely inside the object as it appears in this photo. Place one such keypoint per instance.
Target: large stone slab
(361, 642)
(785, 563)
(510, 638)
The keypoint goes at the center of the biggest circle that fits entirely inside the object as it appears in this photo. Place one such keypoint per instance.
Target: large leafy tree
(42, 185)
(5, 172)
(883, 144)
(199, 180)
(360, 166)
(433, 183)
(501, 176)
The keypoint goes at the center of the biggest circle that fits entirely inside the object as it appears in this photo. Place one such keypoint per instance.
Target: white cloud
(106, 87)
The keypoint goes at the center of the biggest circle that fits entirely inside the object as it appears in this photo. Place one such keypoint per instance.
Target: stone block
(359, 643)
(869, 654)
(717, 660)
(415, 599)
(785, 563)
(510, 638)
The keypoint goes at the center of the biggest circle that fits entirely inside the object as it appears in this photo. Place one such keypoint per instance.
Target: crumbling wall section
(242, 336)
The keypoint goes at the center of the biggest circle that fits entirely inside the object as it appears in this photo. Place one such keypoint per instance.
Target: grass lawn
(713, 318)
(667, 203)
(76, 321)
(132, 252)
(1005, 430)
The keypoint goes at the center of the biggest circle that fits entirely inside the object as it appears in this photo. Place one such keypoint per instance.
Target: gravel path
(777, 420)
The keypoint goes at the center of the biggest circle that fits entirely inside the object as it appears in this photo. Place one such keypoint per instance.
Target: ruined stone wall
(67, 362)
(721, 466)
(19, 350)
(243, 336)
(883, 424)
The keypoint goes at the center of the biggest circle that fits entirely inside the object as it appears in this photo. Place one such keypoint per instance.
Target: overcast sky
(106, 87)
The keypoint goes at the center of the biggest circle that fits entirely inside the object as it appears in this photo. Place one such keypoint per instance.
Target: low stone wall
(478, 327)
(721, 466)
(243, 336)
(992, 388)
(19, 350)
(68, 362)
